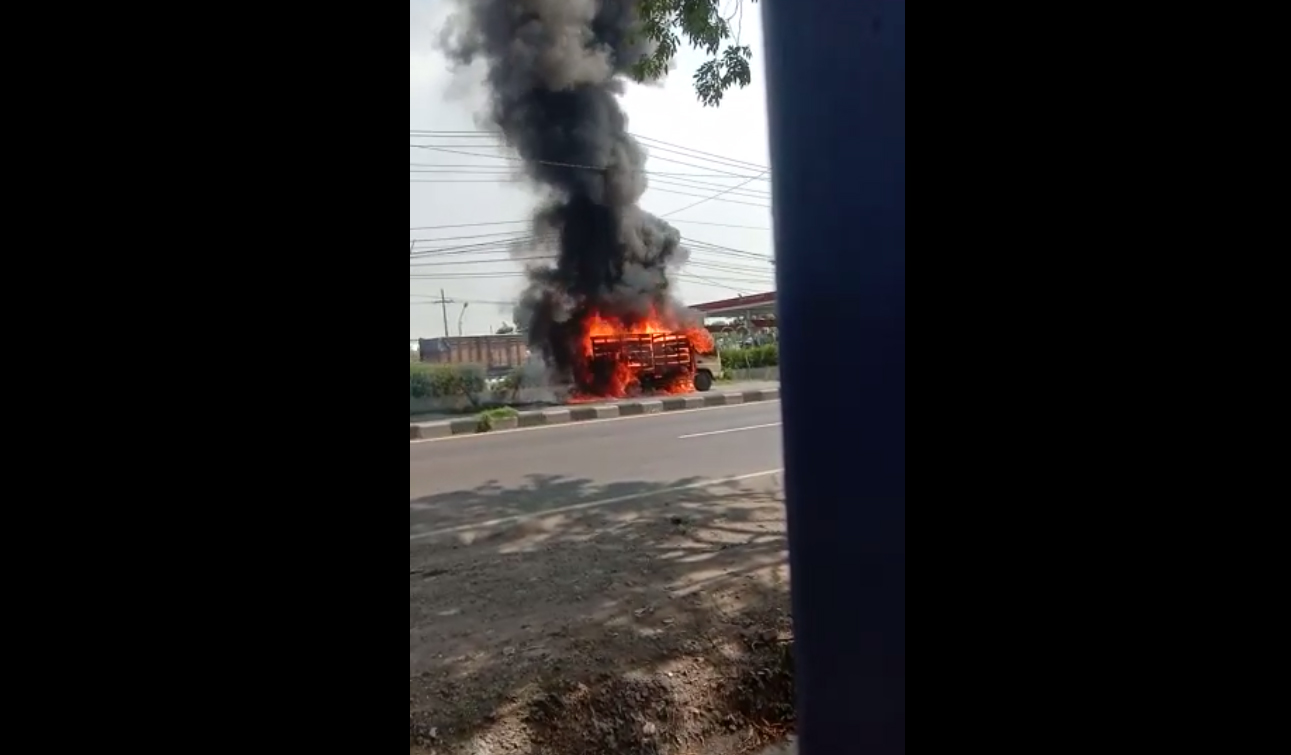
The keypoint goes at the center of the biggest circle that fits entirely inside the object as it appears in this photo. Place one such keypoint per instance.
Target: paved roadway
(533, 470)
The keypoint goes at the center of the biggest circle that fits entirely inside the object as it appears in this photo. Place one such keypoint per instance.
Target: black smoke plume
(555, 71)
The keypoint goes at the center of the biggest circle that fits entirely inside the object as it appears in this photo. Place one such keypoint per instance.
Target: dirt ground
(655, 626)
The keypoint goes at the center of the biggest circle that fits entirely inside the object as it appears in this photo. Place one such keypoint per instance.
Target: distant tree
(703, 26)
(507, 329)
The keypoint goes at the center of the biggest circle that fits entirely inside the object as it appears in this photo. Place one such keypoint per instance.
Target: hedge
(447, 381)
(755, 358)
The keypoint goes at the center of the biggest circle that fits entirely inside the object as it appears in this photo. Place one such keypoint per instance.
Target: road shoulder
(653, 626)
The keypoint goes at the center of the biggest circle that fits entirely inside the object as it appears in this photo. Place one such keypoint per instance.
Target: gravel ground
(655, 627)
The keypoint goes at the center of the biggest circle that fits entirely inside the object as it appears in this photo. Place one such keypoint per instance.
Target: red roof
(759, 300)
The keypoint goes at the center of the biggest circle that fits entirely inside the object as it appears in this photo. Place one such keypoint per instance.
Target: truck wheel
(704, 381)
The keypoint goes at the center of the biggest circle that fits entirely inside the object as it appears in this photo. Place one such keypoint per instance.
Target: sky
(726, 261)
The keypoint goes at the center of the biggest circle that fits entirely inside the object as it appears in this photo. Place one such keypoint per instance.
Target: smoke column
(555, 70)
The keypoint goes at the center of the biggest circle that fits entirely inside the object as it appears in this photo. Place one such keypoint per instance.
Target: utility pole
(444, 301)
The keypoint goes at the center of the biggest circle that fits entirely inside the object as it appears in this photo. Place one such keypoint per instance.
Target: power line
(761, 274)
(468, 225)
(453, 135)
(466, 238)
(503, 157)
(727, 267)
(435, 302)
(711, 282)
(715, 198)
(468, 276)
(511, 247)
(671, 184)
(519, 241)
(656, 184)
(507, 242)
(734, 265)
(739, 286)
(656, 179)
(501, 170)
(723, 225)
(707, 167)
(646, 141)
(644, 138)
(718, 197)
(695, 154)
(457, 150)
(503, 250)
(483, 262)
(525, 222)
(503, 245)
(680, 180)
(732, 274)
(526, 236)
(701, 244)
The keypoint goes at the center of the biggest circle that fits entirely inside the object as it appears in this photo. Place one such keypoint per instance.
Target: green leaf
(702, 25)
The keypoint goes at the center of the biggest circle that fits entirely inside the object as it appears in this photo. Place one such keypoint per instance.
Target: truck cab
(708, 367)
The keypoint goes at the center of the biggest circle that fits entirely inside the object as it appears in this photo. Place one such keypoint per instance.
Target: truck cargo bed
(495, 353)
(646, 354)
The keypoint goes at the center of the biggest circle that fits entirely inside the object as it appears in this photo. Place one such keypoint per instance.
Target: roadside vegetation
(755, 358)
(489, 420)
(444, 381)
(427, 381)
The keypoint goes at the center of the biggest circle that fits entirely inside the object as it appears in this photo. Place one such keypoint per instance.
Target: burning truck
(625, 360)
(604, 315)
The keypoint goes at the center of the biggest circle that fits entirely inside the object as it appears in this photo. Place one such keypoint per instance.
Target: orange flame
(625, 378)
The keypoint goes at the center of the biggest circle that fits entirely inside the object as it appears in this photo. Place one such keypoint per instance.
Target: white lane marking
(591, 505)
(477, 436)
(727, 432)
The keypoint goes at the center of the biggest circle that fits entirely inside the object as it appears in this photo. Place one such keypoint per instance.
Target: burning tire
(704, 381)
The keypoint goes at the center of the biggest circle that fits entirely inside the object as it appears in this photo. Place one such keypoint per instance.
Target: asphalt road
(456, 481)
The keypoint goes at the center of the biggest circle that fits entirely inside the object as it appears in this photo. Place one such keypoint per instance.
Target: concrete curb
(593, 412)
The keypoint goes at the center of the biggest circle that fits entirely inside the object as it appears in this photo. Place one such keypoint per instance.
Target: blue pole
(837, 91)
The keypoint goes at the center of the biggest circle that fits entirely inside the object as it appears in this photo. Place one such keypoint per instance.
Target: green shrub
(444, 381)
(513, 382)
(487, 419)
(755, 358)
